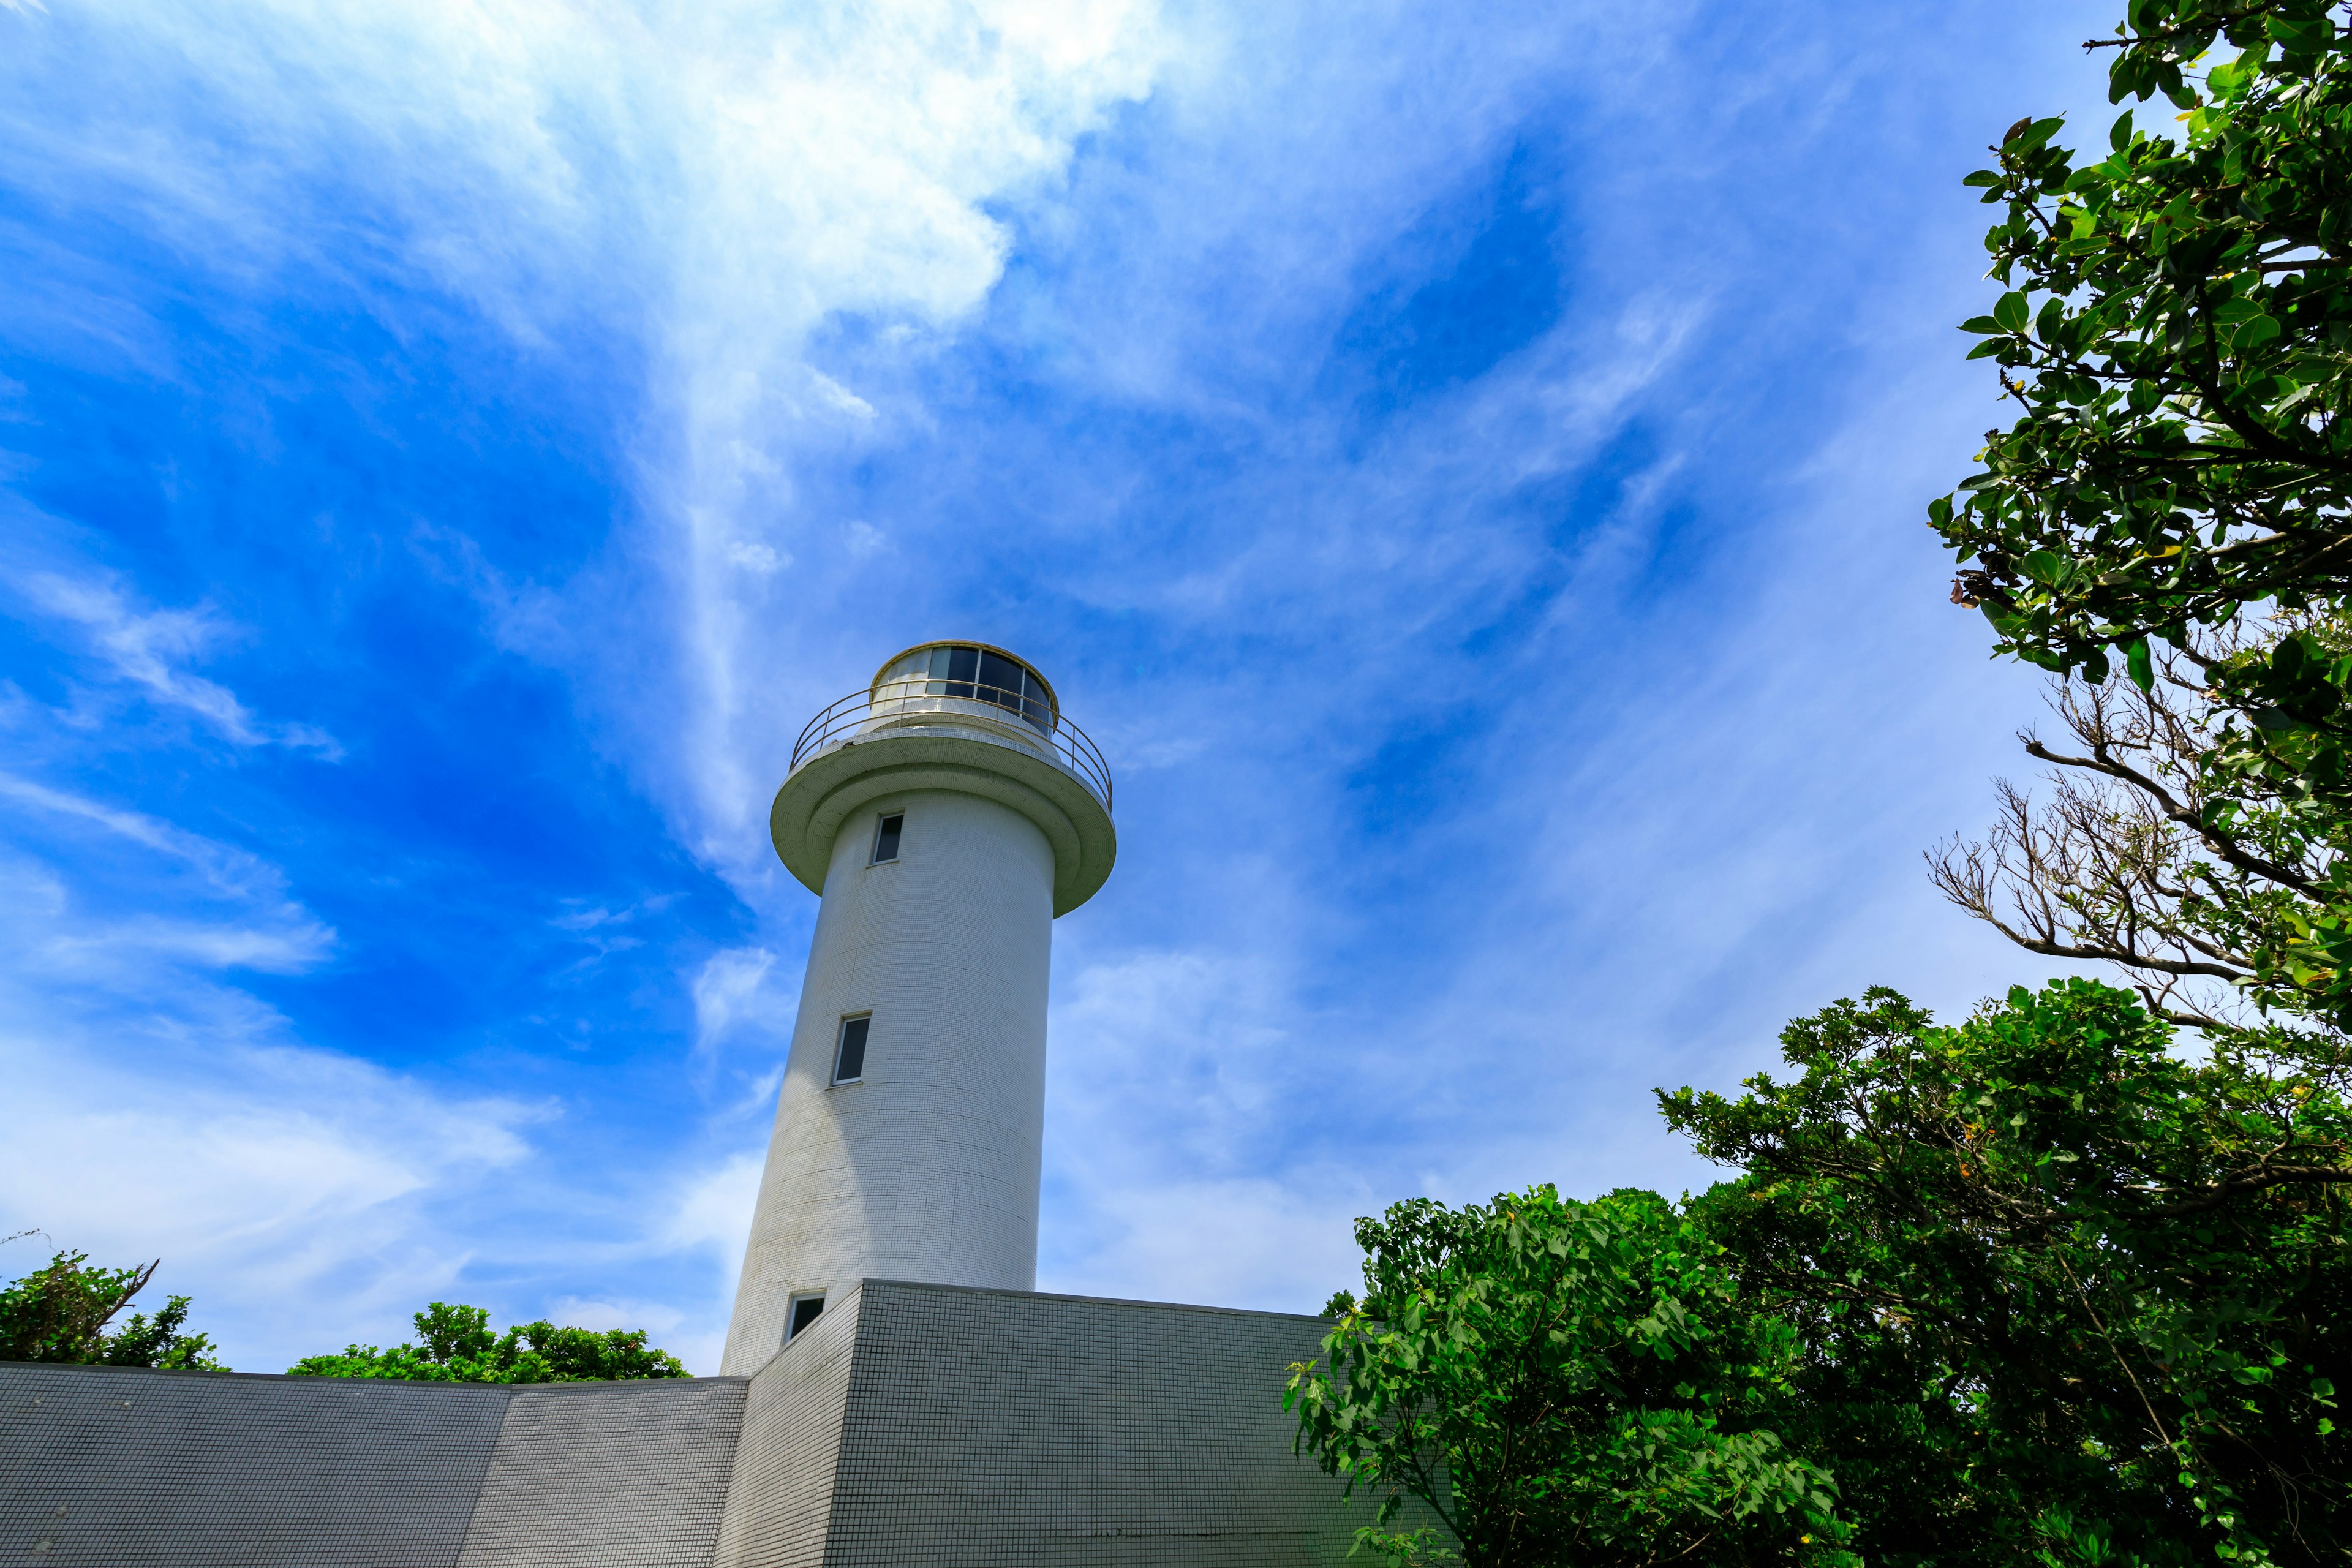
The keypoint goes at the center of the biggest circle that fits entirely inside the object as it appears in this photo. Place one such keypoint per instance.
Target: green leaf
(2138, 665)
(2010, 311)
(1983, 179)
(2046, 567)
(2255, 334)
(2032, 136)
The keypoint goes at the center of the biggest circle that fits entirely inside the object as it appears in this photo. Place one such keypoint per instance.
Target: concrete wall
(927, 1169)
(608, 1475)
(115, 1467)
(912, 1427)
(961, 1429)
(780, 1510)
(125, 1467)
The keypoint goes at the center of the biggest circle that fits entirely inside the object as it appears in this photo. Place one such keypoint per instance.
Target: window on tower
(801, 1314)
(849, 1056)
(982, 675)
(885, 837)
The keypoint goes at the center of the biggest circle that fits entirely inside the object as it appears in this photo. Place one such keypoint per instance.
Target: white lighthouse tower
(946, 815)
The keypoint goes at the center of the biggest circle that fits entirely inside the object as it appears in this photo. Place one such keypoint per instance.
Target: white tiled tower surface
(926, 1167)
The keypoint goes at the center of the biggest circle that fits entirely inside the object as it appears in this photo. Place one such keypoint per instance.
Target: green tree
(2176, 336)
(60, 1312)
(458, 1346)
(1561, 1381)
(2115, 1268)
(2114, 863)
(2061, 1295)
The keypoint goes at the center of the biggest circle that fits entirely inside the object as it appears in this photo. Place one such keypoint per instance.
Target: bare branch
(2114, 860)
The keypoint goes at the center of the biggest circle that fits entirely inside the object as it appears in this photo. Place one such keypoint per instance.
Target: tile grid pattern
(927, 1167)
(996, 1427)
(780, 1507)
(112, 1466)
(608, 1475)
(912, 1427)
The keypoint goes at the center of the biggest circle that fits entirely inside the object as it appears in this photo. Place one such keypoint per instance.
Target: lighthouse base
(922, 1425)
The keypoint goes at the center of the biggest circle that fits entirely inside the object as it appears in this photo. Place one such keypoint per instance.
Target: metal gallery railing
(965, 705)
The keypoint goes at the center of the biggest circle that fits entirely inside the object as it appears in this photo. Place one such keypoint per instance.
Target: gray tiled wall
(123, 1467)
(910, 1426)
(990, 1428)
(780, 1507)
(608, 1475)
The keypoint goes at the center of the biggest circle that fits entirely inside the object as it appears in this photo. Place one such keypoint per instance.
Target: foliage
(2176, 335)
(2061, 1295)
(458, 1347)
(2117, 863)
(1558, 1380)
(61, 1313)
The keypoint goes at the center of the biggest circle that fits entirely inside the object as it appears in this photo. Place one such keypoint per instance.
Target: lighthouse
(895, 1391)
(945, 816)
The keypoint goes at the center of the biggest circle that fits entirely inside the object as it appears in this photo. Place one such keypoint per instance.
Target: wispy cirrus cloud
(152, 652)
(258, 925)
(1447, 458)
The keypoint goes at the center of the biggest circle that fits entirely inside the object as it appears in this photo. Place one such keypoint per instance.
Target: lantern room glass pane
(961, 662)
(1000, 680)
(977, 674)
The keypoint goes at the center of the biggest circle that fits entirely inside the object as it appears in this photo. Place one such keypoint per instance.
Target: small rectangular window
(801, 1314)
(849, 1059)
(885, 837)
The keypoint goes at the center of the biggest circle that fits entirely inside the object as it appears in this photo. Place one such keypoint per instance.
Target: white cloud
(840, 397)
(1274, 1244)
(151, 650)
(733, 190)
(835, 169)
(757, 558)
(718, 182)
(713, 1209)
(264, 1174)
(1170, 1092)
(260, 926)
(712, 186)
(658, 1317)
(729, 991)
(710, 1213)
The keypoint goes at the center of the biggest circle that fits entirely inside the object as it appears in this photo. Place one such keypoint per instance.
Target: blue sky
(1464, 465)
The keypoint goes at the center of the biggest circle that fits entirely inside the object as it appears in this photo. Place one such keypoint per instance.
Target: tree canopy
(60, 1312)
(455, 1344)
(2055, 1284)
(2174, 337)
(1561, 1381)
(2063, 1295)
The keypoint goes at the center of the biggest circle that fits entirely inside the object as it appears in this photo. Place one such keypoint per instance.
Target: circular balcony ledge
(869, 746)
